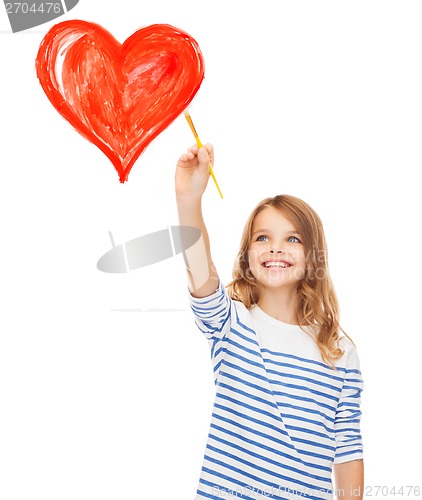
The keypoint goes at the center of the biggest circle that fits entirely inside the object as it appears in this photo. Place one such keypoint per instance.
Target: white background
(102, 398)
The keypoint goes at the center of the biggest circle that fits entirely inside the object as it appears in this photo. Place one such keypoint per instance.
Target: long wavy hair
(317, 305)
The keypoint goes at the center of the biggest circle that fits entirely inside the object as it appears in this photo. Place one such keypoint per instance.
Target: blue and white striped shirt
(281, 416)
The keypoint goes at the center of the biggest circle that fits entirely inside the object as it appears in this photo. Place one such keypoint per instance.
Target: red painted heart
(119, 96)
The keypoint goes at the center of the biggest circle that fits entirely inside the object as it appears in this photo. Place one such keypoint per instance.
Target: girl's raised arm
(192, 175)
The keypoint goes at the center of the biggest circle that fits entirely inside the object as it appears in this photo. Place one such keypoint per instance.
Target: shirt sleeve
(213, 318)
(347, 421)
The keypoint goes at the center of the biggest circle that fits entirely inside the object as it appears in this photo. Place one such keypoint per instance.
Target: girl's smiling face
(276, 253)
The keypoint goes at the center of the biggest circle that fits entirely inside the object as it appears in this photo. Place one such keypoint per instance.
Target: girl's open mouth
(276, 264)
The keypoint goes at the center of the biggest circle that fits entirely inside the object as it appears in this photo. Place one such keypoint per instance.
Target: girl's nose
(276, 246)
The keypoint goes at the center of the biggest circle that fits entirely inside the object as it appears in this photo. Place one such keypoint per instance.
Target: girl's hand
(192, 171)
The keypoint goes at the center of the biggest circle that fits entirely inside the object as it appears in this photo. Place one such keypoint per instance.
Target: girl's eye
(262, 237)
(294, 238)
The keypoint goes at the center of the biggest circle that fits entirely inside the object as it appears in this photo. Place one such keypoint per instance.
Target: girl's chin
(273, 284)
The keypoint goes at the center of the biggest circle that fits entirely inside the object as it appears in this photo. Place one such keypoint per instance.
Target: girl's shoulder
(350, 354)
(344, 342)
(242, 311)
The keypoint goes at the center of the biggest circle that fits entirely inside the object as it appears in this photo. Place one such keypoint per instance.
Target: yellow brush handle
(215, 181)
(200, 145)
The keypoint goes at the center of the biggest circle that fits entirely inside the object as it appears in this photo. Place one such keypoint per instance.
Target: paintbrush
(200, 145)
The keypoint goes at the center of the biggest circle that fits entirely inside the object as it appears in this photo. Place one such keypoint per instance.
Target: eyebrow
(268, 231)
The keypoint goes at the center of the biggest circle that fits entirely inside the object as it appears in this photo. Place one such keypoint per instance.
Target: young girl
(287, 407)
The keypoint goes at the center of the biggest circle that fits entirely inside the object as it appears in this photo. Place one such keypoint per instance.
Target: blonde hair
(317, 306)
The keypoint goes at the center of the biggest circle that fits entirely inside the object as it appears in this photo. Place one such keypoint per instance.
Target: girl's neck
(280, 304)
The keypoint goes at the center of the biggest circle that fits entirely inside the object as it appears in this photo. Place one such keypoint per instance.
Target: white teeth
(276, 264)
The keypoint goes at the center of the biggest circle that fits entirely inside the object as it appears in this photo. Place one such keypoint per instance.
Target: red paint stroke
(119, 96)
